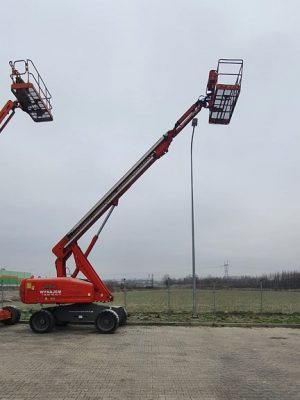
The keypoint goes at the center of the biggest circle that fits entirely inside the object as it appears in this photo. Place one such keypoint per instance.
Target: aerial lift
(33, 97)
(77, 300)
(31, 93)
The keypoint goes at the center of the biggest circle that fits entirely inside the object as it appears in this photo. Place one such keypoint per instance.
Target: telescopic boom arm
(111, 198)
(63, 248)
(220, 99)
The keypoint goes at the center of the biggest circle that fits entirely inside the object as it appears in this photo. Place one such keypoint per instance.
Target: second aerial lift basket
(30, 90)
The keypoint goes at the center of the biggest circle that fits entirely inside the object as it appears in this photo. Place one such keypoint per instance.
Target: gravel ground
(150, 362)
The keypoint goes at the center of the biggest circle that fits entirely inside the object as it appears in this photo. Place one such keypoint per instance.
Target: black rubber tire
(42, 321)
(107, 321)
(15, 315)
(122, 316)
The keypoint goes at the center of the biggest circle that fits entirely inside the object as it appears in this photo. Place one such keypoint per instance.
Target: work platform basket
(226, 91)
(30, 90)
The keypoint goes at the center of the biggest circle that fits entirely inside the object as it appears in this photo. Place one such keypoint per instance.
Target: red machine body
(63, 289)
(58, 290)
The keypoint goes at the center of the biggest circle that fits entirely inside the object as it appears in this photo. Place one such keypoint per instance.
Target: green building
(12, 278)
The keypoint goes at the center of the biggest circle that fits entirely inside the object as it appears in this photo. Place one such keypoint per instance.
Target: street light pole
(194, 310)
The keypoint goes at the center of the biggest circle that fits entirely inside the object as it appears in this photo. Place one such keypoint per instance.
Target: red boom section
(7, 113)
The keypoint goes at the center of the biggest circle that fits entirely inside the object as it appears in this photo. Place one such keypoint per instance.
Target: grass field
(180, 300)
(230, 306)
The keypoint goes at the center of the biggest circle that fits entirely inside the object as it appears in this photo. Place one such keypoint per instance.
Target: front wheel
(42, 321)
(107, 321)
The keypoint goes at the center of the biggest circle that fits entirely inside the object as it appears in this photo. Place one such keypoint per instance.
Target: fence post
(168, 292)
(261, 296)
(214, 297)
(125, 293)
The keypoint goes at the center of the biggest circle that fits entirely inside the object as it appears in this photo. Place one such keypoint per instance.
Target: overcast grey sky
(121, 73)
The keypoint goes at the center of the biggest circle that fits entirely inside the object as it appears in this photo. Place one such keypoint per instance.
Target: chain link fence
(211, 300)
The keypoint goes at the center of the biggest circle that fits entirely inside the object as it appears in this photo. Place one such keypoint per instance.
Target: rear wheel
(42, 321)
(122, 316)
(107, 321)
(15, 315)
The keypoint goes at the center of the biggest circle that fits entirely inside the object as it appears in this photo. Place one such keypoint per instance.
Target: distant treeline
(284, 280)
(277, 281)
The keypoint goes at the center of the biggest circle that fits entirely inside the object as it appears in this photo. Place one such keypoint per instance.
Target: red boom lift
(76, 300)
(33, 97)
